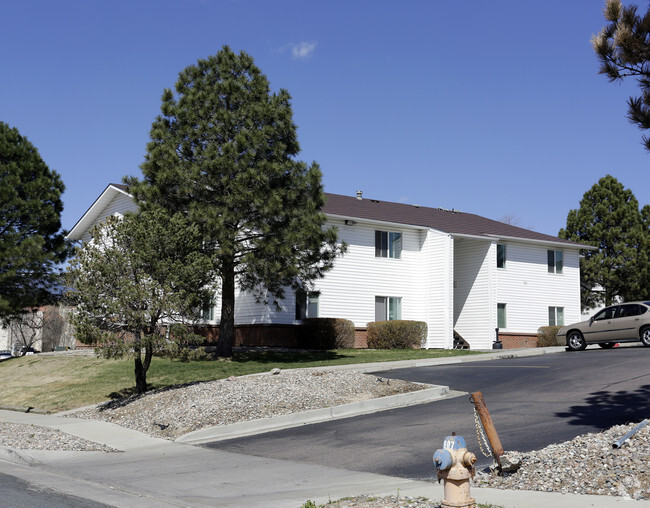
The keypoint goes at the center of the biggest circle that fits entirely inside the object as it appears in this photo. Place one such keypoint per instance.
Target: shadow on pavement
(606, 408)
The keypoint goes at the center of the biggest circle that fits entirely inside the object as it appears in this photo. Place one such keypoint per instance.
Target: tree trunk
(140, 375)
(140, 367)
(227, 324)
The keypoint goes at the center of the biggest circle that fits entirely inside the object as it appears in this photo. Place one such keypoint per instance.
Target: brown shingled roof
(448, 221)
(120, 186)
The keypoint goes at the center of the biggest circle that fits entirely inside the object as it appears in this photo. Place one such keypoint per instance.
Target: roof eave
(93, 212)
(567, 243)
(375, 221)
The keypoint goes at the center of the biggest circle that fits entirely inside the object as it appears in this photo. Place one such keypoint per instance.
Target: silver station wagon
(625, 322)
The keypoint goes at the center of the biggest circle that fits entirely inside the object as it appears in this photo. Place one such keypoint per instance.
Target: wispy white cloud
(303, 50)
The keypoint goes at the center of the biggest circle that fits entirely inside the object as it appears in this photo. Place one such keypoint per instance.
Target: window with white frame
(555, 261)
(307, 304)
(388, 244)
(501, 255)
(388, 308)
(556, 316)
(502, 321)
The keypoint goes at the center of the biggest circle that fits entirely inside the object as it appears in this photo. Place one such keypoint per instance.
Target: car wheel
(645, 336)
(607, 345)
(576, 341)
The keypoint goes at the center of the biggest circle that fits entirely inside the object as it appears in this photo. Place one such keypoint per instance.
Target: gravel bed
(34, 437)
(384, 502)
(588, 464)
(169, 413)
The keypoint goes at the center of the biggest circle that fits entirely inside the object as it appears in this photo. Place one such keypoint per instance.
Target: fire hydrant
(455, 465)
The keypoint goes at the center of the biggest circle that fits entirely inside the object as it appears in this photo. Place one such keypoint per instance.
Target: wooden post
(490, 431)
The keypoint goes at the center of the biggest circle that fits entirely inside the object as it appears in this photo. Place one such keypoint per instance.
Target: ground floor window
(502, 322)
(556, 316)
(208, 309)
(307, 304)
(388, 308)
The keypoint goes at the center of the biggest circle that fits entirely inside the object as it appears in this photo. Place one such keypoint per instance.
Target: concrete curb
(17, 457)
(263, 425)
(25, 410)
(430, 362)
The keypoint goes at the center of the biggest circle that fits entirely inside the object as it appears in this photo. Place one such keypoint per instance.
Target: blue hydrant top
(442, 459)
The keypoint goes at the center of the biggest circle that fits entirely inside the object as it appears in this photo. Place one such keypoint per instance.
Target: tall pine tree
(31, 241)
(623, 48)
(610, 220)
(223, 152)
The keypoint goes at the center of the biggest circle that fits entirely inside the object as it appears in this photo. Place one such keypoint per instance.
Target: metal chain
(480, 435)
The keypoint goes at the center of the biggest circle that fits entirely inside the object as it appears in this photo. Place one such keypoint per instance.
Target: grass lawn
(60, 382)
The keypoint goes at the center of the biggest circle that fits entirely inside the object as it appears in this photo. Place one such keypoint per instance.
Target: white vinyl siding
(439, 311)
(349, 289)
(529, 290)
(119, 205)
(474, 296)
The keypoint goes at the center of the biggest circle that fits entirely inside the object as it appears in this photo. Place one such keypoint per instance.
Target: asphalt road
(533, 401)
(18, 493)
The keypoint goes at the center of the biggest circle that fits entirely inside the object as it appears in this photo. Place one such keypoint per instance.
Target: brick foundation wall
(361, 338)
(272, 335)
(518, 340)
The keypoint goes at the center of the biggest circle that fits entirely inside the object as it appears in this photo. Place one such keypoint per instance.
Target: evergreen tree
(609, 219)
(31, 241)
(223, 152)
(623, 48)
(137, 285)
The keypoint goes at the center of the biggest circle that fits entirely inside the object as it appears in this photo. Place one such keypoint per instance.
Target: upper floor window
(388, 308)
(556, 316)
(555, 261)
(307, 304)
(501, 255)
(388, 244)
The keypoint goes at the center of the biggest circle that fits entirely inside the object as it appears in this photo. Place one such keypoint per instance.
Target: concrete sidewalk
(155, 472)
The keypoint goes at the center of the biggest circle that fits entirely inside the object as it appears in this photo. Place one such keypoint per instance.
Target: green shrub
(396, 334)
(327, 333)
(547, 336)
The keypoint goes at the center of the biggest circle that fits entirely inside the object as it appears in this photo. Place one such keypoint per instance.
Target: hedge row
(335, 333)
(396, 334)
(547, 336)
(327, 333)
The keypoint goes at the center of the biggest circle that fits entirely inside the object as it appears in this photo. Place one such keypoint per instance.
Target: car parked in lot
(26, 351)
(5, 355)
(625, 322)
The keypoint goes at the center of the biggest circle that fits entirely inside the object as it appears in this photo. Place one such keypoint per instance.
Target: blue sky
(494, 108)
